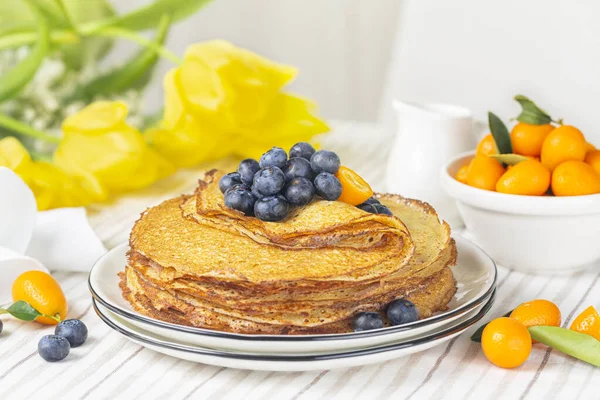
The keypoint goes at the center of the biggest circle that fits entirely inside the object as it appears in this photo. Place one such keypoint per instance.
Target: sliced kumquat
(355, 190)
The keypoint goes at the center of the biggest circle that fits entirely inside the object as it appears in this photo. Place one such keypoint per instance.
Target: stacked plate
(475, 274)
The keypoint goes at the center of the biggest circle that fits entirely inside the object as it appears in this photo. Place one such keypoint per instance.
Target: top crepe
(324, 241)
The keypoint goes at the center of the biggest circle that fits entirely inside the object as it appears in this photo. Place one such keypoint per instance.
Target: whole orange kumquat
(484, 172)
(527, 139)
(506, 342)
(43, 293)
(528, 178)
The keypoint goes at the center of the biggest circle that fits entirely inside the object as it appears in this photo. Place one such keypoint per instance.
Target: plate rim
(296, 338)
(457, 329)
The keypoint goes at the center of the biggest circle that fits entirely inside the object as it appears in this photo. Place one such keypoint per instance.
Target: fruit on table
(506, 342)
(241, 199)
(484, 172)
(229, 180)
(587, 322)
(325, 161)
(401, 312)
(327, 186)
(271, 208)
(575, 178)
(565, 143)
(53, 348)
(537, 313)
(298, 167)
(276, 157)
(73, 330)
(366, 321)
(461, 175)
(355, 190)
(299, 191)
(589, 147)
(247, 169)
(527, 139)
(302, 150)
(43, 293)
(593, 158)
(267, 188)
(529, 178)
(487, 146)
(269, 181)
(381, 209)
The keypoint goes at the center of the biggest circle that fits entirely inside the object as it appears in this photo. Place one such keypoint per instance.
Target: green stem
(67, 15)
(27, 38)
(24, 129)
(134, 37)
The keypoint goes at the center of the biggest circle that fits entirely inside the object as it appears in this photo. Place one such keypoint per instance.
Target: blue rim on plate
(300, 338)
(300, 358)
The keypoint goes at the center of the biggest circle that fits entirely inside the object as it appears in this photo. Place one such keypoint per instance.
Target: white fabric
(64, 241)
(59, 239)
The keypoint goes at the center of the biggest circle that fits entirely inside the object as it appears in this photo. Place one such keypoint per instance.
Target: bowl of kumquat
(530, 196)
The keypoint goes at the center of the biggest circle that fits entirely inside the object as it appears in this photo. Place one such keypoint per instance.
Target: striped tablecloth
(109, 366)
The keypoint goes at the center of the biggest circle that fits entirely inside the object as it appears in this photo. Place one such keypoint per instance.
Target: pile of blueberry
(69, 333)
(399, 312)
(268, 188)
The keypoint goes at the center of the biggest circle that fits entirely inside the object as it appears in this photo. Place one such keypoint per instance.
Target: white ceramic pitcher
(427, 136)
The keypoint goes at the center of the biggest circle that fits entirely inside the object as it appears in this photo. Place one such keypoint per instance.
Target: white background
(470, 52)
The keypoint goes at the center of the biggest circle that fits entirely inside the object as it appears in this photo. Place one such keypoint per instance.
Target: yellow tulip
(51, 186)
(98, 142)
(225, 100)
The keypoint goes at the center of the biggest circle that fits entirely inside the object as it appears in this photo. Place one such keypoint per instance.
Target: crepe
(193, 261)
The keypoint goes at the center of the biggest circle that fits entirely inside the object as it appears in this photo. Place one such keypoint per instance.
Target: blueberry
(303, 150)
(256, 193)
(247, 169)
(240, 199)
(73, 330)
(276, 157)
(227, 181)
(298, 167)
(237, 186)
(366, 321)
(1, 326)
(381, 209)
(53, 348)
(299, 191)
(325, 161)
(370, 208)
(328, 186)
(371, 200)
(271, 208)
(402, 311)
(269, 181)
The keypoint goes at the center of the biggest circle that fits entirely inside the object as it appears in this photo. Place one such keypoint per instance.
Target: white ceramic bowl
(528, 233)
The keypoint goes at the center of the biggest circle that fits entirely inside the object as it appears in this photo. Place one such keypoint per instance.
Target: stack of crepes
(193, 261)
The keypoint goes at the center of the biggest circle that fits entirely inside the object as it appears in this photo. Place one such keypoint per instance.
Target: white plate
(475, 273)
(198, 341)
(261, 362)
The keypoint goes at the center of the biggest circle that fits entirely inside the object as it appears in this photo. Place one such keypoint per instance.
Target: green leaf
(23, 311)
(92, 49)
(500, 134)
(148, 17)
(15, 16)
(509, 159)
(21, 74)
(531, 113)
(579, 345)
(476, 337)
(134, 74)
